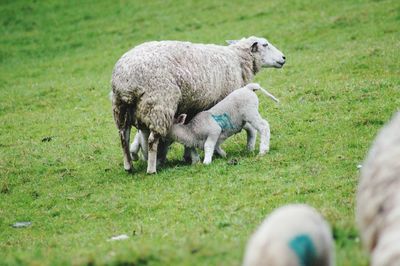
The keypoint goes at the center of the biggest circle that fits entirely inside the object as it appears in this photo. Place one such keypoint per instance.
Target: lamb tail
(269, 94)
(255, 87)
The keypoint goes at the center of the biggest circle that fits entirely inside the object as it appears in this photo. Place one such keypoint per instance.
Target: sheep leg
(262, 127)
(122, 120)
(251, 136)
(135, 146)
(190, 155)
(152, 153)
(141, 143)
(194, 156)
(162, 151)
(187, 155)
(124, 135)
(144, 143)
(209, 147)
(220, 151)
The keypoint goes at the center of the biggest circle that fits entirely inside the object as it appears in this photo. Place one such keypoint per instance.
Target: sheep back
(378, 199)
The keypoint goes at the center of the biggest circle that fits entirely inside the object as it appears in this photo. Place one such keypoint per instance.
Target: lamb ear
(231, 41)
(254, 47)
(181, 119)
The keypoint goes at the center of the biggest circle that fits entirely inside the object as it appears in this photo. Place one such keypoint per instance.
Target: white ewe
(156, 80)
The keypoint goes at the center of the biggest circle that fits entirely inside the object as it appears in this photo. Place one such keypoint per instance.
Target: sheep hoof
(195, 162)
(135, 156)
(151, 172)
(263, 152)
(195, 159)
(187, 159)
(128, 167)
(221, 154)
(129, 171)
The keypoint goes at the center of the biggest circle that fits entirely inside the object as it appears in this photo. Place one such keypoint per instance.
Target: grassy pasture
(60, 159)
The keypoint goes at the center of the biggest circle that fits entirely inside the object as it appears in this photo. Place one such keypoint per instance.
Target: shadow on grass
(235, 157)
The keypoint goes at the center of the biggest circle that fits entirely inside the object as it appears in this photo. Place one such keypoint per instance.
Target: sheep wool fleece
(378, 198)
(160, 79)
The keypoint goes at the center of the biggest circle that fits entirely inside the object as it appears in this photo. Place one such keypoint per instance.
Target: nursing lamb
(208, 129)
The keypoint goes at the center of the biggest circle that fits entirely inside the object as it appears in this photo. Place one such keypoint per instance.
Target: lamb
(378, 197)
(156, 80)
(209, 129)
(292, 235)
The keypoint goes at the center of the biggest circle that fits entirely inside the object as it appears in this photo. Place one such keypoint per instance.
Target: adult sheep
(156, 80)
(378, 197)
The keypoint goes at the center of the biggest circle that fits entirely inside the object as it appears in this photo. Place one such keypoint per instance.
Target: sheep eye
(265, 44)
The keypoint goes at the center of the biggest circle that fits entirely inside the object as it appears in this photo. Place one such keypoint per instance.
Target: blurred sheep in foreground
(293, 235)
(378, 197)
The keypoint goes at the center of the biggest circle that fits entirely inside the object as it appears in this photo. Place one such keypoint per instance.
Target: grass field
(60, 159)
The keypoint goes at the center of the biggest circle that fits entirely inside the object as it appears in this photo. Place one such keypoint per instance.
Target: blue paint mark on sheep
(304, 248)
(224, 121)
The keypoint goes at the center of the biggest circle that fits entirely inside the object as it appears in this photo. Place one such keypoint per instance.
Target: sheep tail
(255, 87)
(124, 113)
(269, 94)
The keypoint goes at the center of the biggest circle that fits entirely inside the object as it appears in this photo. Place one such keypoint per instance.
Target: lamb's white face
(270, 55)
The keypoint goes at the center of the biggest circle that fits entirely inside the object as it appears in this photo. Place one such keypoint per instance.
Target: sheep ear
(181, 119)
(254, 47)
(231, 42)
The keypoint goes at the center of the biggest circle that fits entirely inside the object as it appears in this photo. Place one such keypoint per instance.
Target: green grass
(340, 85)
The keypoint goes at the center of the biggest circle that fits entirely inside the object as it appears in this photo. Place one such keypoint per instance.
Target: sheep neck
(247, 64)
